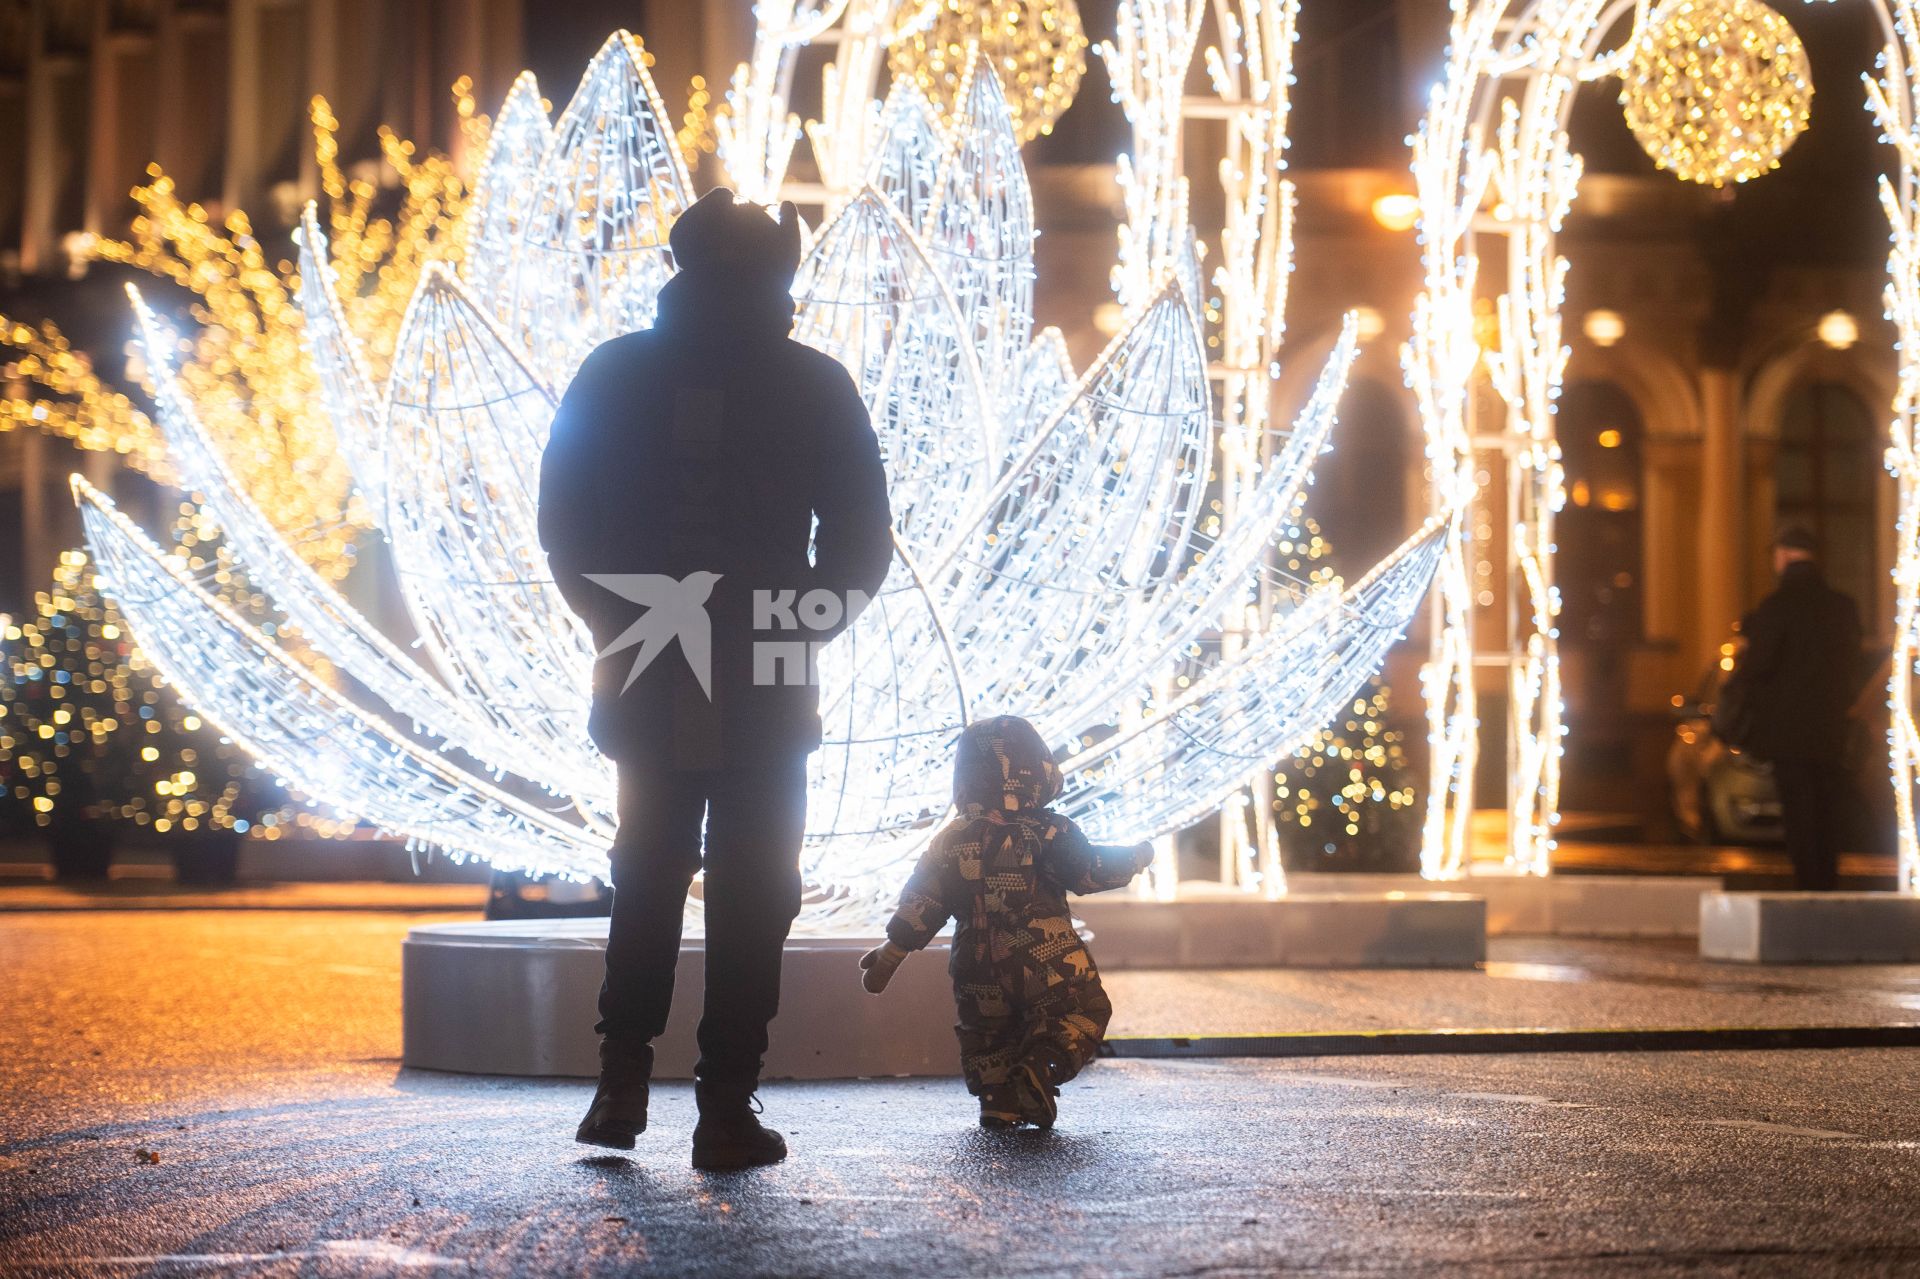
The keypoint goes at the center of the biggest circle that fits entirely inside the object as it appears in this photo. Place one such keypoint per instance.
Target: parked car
(1719, 795)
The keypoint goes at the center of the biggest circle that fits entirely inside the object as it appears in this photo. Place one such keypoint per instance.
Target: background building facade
(1730, 368)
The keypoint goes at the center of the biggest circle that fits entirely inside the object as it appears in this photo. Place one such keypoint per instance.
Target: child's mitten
(1142, 855)
(877, 966)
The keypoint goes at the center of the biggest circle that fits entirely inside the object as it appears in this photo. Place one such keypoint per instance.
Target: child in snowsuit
(1032, 1009)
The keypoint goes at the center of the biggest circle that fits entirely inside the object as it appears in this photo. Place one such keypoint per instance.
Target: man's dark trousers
(755, 817)
(1815, 809)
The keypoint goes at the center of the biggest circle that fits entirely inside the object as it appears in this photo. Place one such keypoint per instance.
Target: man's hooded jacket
(712, 443)
(1800, 671)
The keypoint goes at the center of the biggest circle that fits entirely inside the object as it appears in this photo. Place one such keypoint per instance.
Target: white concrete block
(1209, 928)
(1810, 928)
(519, 998)
(1553, 905)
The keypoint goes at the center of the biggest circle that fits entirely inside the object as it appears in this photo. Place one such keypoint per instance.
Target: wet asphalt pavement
(192, 1093)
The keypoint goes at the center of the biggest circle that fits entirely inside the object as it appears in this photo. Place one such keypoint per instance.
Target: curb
(1391, 1043)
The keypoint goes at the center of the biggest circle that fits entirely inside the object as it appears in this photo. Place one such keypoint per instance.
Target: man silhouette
(1793, 687)
(692, 464)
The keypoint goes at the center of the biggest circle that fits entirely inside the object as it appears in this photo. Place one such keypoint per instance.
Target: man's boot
(729, 1136)
(619, 1110)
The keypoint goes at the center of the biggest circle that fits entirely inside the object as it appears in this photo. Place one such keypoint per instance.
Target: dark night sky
(1820, 207)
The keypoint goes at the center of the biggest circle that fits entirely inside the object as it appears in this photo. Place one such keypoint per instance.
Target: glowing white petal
(593, 254)
(496, 218)
(1043, 385)
(338, 362)
(1252, 710)
(296, 727)
(333, 626)
(980, 229)
(1095, 517)
(906, 158)
(466, 425)
(869, 297)
(1123, 658)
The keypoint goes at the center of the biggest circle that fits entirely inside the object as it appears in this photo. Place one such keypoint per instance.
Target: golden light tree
(244, 367)
(88, 732)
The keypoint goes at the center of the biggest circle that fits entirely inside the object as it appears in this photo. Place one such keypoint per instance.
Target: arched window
(1599, 565)
(1824, 474)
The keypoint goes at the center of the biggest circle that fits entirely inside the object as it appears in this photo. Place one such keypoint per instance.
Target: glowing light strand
(1519, 184)
(1060, 567)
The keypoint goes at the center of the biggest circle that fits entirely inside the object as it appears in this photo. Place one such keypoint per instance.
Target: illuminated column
(56, 113)
(190, 96)
(266, 98)
(121, 129)
(1667, 572)
(1721, 521)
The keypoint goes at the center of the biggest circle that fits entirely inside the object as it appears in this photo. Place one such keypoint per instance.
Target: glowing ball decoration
(1037, 48)
(1717, 90)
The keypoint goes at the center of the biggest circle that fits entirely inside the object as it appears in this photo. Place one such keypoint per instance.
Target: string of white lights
(317, 609)
(907, 153)
(1518, 184)
(589, 260)
(980, 226)
(502, 200)
(1188, 756)
(1893, 97)
(317, 741)
(869, 296)
(339, 365)
(1490, 163)
(1057, 552)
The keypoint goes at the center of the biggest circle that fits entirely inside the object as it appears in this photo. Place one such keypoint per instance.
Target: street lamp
(1603, 328)
(1838, 330)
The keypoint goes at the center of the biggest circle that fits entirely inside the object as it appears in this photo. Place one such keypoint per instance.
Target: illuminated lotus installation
(1059, 551)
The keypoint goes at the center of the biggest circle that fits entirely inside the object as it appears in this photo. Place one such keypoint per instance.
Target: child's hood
(1003, 765)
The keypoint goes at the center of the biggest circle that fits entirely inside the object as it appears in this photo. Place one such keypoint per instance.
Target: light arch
(1494, 170)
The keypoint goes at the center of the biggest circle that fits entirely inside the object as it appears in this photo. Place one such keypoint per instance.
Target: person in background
(1032, 1009)
(1790, 700)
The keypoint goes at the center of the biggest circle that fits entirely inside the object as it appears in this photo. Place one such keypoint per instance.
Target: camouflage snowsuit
(1022, 978)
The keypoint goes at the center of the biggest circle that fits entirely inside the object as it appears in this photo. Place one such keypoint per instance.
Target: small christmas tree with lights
(1346, 800)
(90, 737)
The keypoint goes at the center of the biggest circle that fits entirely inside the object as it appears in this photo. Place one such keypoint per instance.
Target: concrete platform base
(1208, 927)
(518, 998)
(1553, 905)
(1810, 928)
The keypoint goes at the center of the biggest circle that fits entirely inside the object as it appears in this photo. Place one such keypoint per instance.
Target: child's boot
(1036, 1085)
(999, 1109)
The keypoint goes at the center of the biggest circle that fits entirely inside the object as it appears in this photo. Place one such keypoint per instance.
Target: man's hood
(736, 268)
(1003, 765)
(746, 244)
